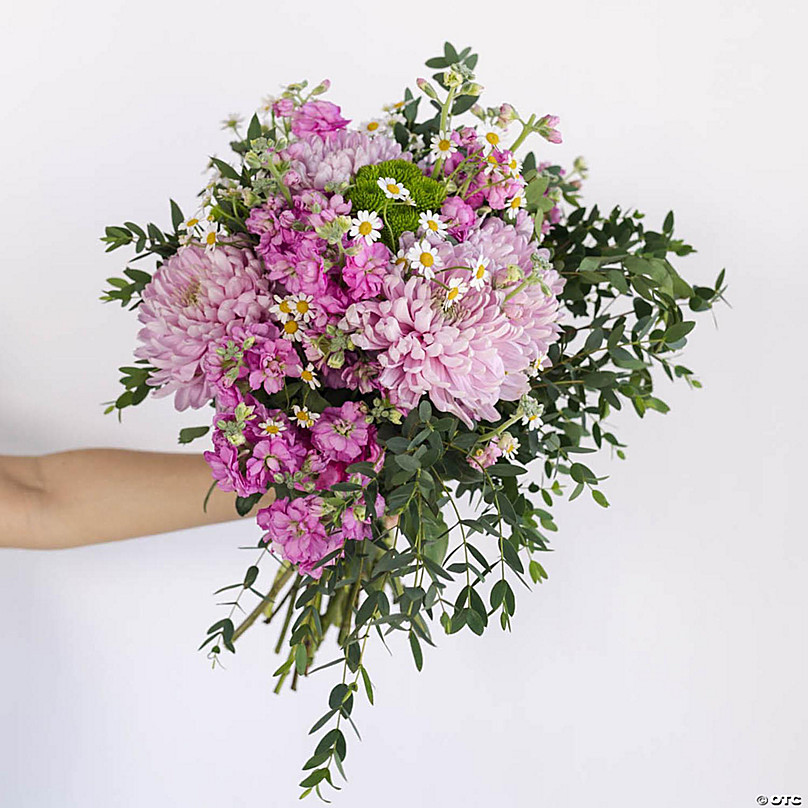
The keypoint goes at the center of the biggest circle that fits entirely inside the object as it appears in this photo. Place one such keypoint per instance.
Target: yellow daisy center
(480, 273)
(211, 238)
(307, 375)
(303, 416)
(302, 306)
(453, 293)
(492, 158)
(516, 202)
(290, 327)
(192, 223)
(271, 429)
(432, 225)
(444, 145)
(365, 229)
(492, 138)
(426, 259)
(393, 188)
(285, 307)
(373, 126)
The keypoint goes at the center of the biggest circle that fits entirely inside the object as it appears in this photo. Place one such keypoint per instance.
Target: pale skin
(87, 496)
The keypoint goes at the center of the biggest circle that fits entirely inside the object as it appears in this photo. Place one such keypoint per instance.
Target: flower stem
(265, 606)
(527, 128)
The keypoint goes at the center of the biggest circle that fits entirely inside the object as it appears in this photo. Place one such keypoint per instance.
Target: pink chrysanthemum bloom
(424, 349)
(194, 298)
(467, 356)
(336, 157)
(342, 433)
(295, 532)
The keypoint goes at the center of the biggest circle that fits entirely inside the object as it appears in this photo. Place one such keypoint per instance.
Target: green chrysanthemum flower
(398, 217)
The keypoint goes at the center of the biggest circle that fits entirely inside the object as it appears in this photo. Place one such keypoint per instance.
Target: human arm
(87, 496)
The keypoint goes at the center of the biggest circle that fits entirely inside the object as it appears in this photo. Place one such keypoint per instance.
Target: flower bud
(472, 88)
(322, 87)
(427, 89)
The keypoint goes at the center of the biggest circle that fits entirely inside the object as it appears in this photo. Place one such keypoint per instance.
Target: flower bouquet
(385, 320)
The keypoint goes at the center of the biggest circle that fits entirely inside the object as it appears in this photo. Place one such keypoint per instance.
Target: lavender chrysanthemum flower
(194, 298)
(468, 355)
(337, 156)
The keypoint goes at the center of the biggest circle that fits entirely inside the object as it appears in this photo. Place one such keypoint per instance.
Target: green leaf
(226, 169)
(190, 433)
(176, 215)
(417, 654)
(250, 576)
(244, 504)
(254, 129)
(679, 331)
(301, 659)
(407, 462)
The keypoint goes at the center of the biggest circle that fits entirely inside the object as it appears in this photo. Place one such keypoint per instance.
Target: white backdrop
(664, 662)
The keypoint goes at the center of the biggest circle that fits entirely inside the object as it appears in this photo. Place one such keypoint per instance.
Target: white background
(664, 662)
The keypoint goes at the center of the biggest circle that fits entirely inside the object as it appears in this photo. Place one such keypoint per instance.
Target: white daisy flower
(424, 257)
(492, 163)
(514, 166)
(373, 127)
(392, 188)
(304, 417)
(308, 376)
(479, 272)
(300, 305)
(271, 427)
(516, 203)
(508, 444)
(491, 137)
(432, 223)
(457, 288)
(531, 420)
(395, 107)
(292, 330)
(282, 308)
(401, 259)
(442, 145)
(366, 225)
(534, 368)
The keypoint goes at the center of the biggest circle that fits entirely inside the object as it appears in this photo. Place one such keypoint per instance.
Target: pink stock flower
(342, 433)
(364, 272)
(270, 362)
(194, 298)
(284, 107)
(485, 456)
(317, 118)
(295, 531)
(459, 216)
